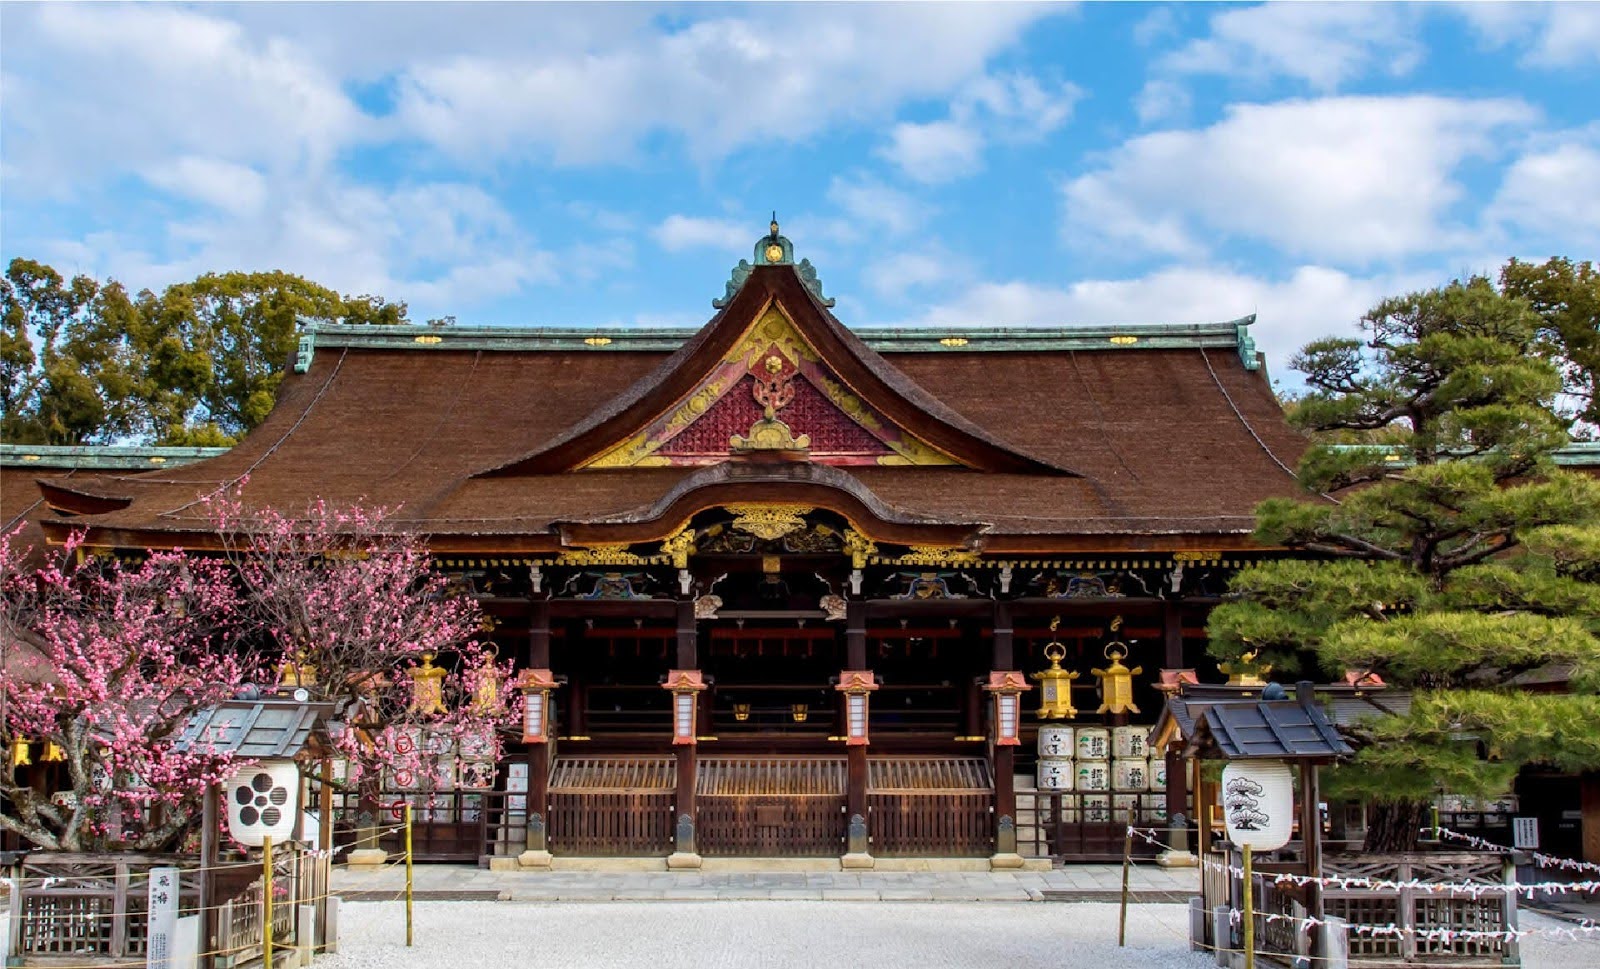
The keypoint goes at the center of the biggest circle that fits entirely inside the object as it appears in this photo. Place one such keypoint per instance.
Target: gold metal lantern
(1055, 683)
(1116, 680)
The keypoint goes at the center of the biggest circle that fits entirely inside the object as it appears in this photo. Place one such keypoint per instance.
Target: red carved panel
(809, 412)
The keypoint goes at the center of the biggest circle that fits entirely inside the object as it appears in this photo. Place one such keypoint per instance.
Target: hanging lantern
(798, 712)
(486, 685)
(19, 753)
(1055, 683)
(741, 712)
(263, 801)
(1007, 687)
(427, 687)
(294, 671)
(535, 687)
(685, 686)
(1258, 803)
(1116, 680)
(1245, 671)
(53, 754)
(856, 685)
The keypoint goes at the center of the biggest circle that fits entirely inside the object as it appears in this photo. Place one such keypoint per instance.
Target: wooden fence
(922, 823)
(1419, 909)
(85, 908)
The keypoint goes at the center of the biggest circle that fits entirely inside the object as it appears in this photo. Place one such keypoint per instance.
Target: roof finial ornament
(774, 227)
(773, 249)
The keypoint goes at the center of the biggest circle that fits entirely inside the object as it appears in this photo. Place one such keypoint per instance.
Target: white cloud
(1549, 194)
(937, 151)
(211, 181)
(1357, 179)
(771, 73)
(679, 232)
(1161, 100)
(907, 270)
(1323, 44)
(868, 203)
(1551, 35)
(1308, 303)
(1012, 107)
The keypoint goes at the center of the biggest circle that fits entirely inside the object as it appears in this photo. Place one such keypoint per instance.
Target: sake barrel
(1122, 804)
(1158, 773)
(1054, 774)
(1094, 743)
(1056, 741)
(1097, 808)
(1094, 775)
(1130, 774)
(1127, 742)
(1155, 807)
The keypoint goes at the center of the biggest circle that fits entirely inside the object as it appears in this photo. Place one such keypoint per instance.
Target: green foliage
(1452, 557)
(199, 364)
(1566, 295)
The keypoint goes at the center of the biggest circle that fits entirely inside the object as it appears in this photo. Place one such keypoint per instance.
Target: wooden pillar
(209, 819)
(1177, 796)
(688, 637)
(855, 652)
(1311, 835)
(538, 755)
(1172, 633)
(1589, 802)
(1005, 757)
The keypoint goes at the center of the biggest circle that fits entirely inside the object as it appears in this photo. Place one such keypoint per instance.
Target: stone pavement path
(1077, 883)
(760, 935)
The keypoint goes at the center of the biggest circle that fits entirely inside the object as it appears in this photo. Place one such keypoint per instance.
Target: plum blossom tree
(355, 613)
(104, 662)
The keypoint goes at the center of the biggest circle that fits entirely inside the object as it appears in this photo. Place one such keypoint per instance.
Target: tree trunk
(1396, 825)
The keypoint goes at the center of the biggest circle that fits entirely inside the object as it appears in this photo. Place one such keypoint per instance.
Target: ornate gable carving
(771, 395)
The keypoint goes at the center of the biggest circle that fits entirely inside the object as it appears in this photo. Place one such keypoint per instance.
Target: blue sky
(940, 163)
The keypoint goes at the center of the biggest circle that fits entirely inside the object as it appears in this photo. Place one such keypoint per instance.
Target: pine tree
(1450, 556)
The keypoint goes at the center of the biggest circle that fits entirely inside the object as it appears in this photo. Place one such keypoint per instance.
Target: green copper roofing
(773, 249)
(102, 457)
(1229, 335)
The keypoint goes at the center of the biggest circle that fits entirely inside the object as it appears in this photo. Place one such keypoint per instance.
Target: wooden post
(408, 875)
(855, 653)
(325, 846)
(1249, 912)
(688, 637)
(208, 861)
(1005, 758)
(1202, 810)
(266, 901)
(1311, 835)
(1172, 633)
(1127, 863)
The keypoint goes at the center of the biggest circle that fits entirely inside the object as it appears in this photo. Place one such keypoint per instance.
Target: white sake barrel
(1121, 804)
(1054, 774)
(1131, 774)
(1096, 808)
(1155, 807)
(1094, 775)
(1158, 773)
(1094, 743)
(1127, 742)
(1056, 741)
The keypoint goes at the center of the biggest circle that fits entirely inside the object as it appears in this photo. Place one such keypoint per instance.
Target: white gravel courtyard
(795, 935)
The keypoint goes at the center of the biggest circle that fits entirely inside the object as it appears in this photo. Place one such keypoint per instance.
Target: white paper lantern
(1131, 775)
(1129, 742)
(1094, 775)
(263, 799)
(1258, 803)
(1055, 742)
(1055, 774)
(1094, 743)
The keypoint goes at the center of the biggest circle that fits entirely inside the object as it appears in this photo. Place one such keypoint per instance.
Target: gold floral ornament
(427, 687)
(859, 547)
(1116, 680)
(678, 547)
(768, 522)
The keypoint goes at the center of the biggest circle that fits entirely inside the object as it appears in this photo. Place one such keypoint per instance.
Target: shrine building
(785, 587)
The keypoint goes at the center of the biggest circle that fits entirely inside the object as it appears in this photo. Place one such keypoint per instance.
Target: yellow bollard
(1249, 912)
(266, 901)
(408, 874)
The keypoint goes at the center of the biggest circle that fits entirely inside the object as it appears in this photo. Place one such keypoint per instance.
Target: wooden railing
(1055, 825)
(91, 907)
(931, 824)
(592, 823)
(763, 825)
(1413, 908)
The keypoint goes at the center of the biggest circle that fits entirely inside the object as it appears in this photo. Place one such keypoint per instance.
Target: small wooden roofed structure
(1289, 729)
(258, 729)
(1345, 703)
